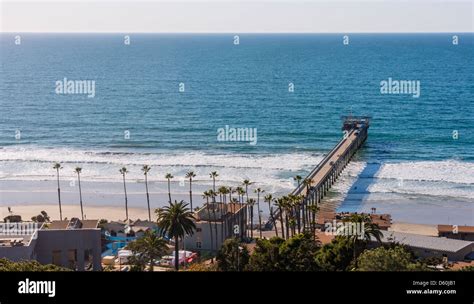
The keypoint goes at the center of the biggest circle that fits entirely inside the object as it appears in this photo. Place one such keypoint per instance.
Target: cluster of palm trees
(222, 207)
(123, 171)
(295, 213)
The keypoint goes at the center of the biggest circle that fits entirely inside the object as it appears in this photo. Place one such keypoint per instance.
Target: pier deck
(324, 175)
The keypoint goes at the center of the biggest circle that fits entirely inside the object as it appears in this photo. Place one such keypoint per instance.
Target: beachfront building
(430, 246)
(74, 244)
(225, 220)
(456, 232)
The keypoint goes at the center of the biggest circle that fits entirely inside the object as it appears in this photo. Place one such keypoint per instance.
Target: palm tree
(296, 210)
(307, 182)
(78, 170)
(287, 209)
(294, 205)
(247, 183)
(269, 198)
(251, 203)
(168, 176)
(227, 190)
(57, 166)
(240, 192)
(280, 203)
(313, 209)
(150, 247)
(223, 206)
(234, 201)
(213, 175)
(190, 175)
(298, 179)
(258, 191)
(176, 221)
(124, 171)
(220, 191)
(230, 192)
(213, 195)
(206, 195)
(145, 170)
(299, 201)
(370, 230)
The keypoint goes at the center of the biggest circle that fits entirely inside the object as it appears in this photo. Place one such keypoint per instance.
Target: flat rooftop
(217, 211)
(426, 242)
(460, 229)
(73, 223)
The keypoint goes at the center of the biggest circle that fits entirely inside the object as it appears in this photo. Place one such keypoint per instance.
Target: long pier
(325, 174)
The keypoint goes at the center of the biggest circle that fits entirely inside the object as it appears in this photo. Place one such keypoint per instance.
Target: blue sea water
(246, 85)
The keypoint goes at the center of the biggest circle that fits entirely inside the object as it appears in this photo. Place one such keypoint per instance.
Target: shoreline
(344, 197)
(114, 213)
(93, 212)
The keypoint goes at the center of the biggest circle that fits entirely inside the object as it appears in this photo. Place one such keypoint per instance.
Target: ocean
(162, 99)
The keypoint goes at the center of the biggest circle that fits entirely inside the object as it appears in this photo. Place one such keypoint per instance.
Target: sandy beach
(431, 230)
(69, 211)
(118, 213)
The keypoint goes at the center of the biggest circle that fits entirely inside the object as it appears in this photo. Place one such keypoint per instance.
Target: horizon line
(232, 33)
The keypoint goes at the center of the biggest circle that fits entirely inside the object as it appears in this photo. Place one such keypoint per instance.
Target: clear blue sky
(237, 16)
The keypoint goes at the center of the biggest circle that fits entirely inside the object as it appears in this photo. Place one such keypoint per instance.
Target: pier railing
(323, 162)
(333, 163)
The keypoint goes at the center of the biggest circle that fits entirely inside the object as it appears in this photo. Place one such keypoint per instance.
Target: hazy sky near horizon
(237, 16)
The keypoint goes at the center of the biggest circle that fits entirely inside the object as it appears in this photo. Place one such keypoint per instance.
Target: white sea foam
(449, 178)
(272, 172)
(452, 171)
